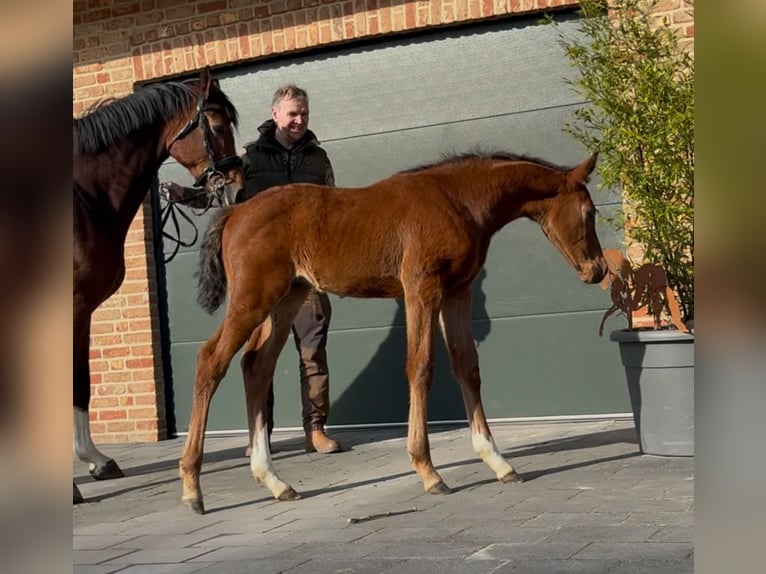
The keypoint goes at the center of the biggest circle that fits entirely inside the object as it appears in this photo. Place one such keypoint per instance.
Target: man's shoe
(318, 441)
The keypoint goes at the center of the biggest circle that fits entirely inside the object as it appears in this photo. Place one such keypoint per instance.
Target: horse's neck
(499, 195)
(124, 187)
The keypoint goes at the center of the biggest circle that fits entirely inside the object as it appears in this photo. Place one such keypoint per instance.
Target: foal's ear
(206, 81)
(582, 172)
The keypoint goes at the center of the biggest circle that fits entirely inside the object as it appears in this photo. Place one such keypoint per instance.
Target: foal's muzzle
(593, 272)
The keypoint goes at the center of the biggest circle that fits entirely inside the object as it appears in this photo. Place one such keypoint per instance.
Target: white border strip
(510, 420)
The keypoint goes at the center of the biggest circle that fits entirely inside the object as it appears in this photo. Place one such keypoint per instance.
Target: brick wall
(119, 42)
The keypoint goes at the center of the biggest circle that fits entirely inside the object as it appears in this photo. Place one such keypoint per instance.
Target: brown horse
(422, 235)
(118, 149)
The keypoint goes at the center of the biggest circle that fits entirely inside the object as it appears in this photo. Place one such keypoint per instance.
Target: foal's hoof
(76, 496)
(289, 495)
(440, 488)
(512, 477)
(108, 471)
(196, 505)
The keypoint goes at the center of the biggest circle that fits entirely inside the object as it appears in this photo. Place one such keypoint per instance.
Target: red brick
(135, 388)
(146, 400)
(117, 426)
(116, 351)
(112, 414)
(146, 425)
(103, 402)
(117, 376)
(142, 363)
(121, 10)
(101, 328)
(142, 413)
(102, 14)
(144, 375)
(204, 7)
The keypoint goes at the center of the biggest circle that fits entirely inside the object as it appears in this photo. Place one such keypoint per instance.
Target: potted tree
(639, 85)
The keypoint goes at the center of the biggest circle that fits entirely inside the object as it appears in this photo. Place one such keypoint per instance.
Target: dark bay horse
(422, 235)
(118, 149)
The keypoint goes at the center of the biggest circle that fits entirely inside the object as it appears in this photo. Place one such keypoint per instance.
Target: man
(288, 152)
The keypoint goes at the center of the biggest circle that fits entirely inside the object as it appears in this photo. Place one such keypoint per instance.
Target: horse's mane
(112, 120)
(449, 160)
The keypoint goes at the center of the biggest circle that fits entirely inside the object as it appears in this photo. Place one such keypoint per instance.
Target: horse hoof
(196, 505)
(440, 488)
(76, 496)
(512, 478)
(248, 452)
(288, 495)
(108, 471)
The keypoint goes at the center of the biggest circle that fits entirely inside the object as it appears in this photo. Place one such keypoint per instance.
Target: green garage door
(393, 105)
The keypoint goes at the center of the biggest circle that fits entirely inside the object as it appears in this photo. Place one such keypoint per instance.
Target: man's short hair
(289, 92)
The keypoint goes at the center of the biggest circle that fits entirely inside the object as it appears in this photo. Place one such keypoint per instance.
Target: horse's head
(569, 223)
(203, 141)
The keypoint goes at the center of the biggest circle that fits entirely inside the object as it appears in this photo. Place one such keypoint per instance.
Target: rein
(170, 213)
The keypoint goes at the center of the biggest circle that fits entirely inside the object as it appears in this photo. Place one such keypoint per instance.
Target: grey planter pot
(659, 366)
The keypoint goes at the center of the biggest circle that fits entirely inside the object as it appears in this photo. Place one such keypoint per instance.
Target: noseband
(215, 168)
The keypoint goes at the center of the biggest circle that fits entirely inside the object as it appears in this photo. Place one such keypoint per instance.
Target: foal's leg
(248, 307)
(258, 364)
(100, 466)
(456, 328)
(422, 305)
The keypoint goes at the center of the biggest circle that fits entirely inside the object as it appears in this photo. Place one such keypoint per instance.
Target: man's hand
(171, 191)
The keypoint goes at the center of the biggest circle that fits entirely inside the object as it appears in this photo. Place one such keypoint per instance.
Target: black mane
(495, 156)
(112, 120)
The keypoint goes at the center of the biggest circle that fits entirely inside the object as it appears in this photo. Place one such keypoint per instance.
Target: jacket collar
(268, 138)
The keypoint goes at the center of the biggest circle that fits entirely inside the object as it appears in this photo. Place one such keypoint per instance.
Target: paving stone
(636, 550)
(653, 567)
(516, 550)
(99, 541)
(443, 566)
(184, 568)
(674, 534)
(94, 569)
(545, 566)
(341, 565)
(97, 556)
(618, 533)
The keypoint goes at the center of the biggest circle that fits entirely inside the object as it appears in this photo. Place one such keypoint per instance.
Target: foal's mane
(457, 159)
(112, 120)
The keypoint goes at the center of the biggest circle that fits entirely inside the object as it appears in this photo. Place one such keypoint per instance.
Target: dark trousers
(310, 335)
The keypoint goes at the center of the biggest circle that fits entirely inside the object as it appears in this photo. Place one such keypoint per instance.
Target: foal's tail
(211, 284)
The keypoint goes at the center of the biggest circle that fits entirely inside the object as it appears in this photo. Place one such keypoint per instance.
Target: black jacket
(267, 163)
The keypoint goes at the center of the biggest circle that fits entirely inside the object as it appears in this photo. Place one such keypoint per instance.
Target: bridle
(215, 169)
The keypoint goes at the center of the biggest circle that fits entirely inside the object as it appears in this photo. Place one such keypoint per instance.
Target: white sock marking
(262, 466)
(488, 452)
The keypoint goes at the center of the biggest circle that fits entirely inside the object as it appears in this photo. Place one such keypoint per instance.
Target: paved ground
(592, 503)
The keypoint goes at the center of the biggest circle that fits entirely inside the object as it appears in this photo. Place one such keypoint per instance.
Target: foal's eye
(219, 129)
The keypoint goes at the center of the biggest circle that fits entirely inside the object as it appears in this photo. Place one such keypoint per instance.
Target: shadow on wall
(381, 390)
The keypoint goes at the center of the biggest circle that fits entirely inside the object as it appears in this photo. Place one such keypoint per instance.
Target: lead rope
(170, 212)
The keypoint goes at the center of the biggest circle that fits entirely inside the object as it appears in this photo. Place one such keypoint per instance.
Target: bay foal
(421, 235)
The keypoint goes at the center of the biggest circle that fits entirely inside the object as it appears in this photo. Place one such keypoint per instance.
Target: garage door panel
(501, 67)
(364, 160)
(369, 384)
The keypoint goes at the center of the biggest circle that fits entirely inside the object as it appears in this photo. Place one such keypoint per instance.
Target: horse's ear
(582, 172)
(205, 81)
